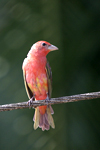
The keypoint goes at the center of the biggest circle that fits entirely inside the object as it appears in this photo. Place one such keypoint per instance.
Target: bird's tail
(43, 121)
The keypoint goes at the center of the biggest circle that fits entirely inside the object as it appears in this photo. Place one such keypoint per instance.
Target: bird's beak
(52, 48)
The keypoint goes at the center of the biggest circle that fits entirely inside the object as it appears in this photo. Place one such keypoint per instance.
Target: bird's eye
(44, 44)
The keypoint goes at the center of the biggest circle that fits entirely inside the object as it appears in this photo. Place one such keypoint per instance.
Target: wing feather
(27, 87)
(49, 79)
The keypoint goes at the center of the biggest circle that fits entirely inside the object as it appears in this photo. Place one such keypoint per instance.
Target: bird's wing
(27, 86)
(49, 79)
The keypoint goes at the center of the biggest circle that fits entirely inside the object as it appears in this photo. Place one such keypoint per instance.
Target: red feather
(37, 77)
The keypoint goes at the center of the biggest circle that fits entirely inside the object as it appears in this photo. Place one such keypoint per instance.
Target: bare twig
(59, 100)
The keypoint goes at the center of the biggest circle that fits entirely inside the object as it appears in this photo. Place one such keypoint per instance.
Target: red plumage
(37, 77)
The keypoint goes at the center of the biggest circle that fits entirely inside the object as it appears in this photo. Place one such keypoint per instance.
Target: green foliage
(74, 27)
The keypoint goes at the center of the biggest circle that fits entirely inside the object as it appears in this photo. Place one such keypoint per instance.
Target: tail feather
(36, 118)
(50, 118)
(51, 109)
(44, 121)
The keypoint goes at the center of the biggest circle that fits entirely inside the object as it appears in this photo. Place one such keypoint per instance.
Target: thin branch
(59, 100)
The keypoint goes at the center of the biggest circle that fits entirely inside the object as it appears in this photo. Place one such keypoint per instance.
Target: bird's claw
(30, 102)
(47, 99)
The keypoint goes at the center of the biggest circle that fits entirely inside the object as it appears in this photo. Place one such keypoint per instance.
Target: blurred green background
(74, 27)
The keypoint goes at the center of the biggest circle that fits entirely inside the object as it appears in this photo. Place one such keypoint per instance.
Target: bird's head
(42, 48)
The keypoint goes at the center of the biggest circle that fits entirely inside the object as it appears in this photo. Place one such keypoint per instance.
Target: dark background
(74, 27)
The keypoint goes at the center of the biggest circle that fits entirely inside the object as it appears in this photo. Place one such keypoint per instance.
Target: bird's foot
(30, 102)
(47, 99)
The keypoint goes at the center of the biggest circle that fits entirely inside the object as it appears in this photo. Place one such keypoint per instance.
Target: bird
(38, 82)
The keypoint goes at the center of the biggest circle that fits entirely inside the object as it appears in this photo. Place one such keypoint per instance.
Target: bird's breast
(37, 80)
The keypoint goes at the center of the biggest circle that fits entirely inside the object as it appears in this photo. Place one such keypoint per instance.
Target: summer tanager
(37, 78)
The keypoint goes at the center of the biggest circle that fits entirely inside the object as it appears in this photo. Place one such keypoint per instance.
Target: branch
(59, 100)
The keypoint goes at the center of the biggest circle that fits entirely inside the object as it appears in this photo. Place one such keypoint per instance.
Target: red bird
(37, 78)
